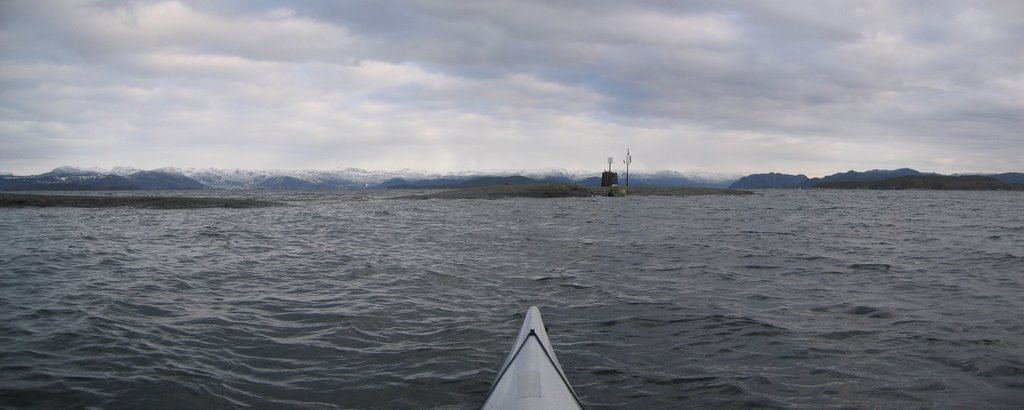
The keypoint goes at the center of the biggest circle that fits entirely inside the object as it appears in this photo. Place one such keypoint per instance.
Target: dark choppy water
(809, 299)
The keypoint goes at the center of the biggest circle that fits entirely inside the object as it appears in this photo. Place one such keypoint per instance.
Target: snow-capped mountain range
(348, 178)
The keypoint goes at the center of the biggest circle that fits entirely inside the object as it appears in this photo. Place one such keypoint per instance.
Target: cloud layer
(722, 87)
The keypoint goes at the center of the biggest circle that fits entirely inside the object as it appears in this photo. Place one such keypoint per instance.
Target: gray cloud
(729, 87)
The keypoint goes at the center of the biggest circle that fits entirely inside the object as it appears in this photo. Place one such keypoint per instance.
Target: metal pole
(628, 159)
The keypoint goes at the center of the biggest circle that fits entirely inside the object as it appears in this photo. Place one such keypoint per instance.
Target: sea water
(788, 299)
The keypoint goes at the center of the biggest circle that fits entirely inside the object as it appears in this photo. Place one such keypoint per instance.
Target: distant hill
(69, 179)
(770, 180)
(659, 179)
(288, 182)
(492, 181)
(431, 183)
(662, 179)
(66, 171)
(554, 179)
(873, 175)
(451, 183)
(592, 182)
(66, 183)
(670, 179)
(932, 182)
(1010, 177)
(275, 179)
(163, 180)
(787, 181)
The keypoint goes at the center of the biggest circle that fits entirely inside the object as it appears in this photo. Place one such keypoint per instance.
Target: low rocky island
(541, 190)
(112, 201)
(674, 191)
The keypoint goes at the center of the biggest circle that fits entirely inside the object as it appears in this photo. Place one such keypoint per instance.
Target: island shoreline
(20, 200)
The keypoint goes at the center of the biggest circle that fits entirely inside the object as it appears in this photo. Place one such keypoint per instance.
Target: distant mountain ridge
(72, 178)
(1010, 177)
(774, 180)
(123, 178)
(930, 182)
(863, 179)
(770, 180)
(449, 183)
(671, 179)
(67, 179)
(873, 175)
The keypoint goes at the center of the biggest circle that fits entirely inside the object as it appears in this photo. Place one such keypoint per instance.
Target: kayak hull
(532, 377)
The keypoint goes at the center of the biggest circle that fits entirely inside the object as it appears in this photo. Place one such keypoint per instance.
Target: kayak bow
(532, 378)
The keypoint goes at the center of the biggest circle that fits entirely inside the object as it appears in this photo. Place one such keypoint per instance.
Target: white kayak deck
(532, 378)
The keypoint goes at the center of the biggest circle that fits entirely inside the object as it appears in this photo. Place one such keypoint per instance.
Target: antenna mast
(629, 159)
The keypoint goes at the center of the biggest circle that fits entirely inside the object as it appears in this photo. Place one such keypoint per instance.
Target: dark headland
(541, 190)
(149, 202)
(927, 182)
(895, 179)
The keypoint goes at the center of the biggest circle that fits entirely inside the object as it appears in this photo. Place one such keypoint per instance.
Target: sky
(713, 88)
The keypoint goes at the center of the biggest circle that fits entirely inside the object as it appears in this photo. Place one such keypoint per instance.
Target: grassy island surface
(564, 191)
(150, 202)
(673, 191)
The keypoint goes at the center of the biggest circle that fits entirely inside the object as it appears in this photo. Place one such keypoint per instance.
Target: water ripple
(794, 299)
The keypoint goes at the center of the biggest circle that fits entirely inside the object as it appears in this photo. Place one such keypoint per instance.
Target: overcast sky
(724, 87)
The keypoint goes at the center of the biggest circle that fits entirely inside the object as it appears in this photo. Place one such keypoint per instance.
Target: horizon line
(478, 172)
